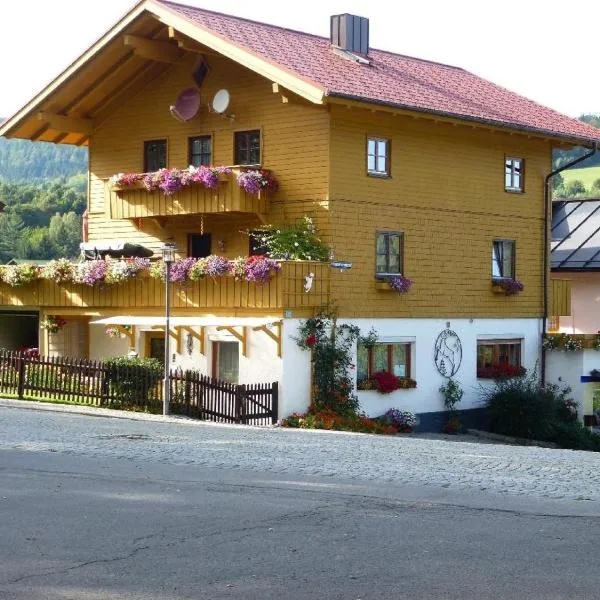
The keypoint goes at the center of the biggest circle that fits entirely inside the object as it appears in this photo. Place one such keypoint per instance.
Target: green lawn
(587, 176)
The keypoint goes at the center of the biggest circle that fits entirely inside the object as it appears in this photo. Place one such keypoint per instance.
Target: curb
(507, 439)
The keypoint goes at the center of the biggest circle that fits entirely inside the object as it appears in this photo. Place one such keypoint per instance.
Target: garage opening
(19, 330)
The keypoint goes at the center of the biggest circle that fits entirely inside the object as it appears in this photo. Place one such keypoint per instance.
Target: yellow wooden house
(410, 170)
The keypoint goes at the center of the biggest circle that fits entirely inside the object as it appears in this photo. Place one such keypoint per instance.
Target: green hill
(22, 160)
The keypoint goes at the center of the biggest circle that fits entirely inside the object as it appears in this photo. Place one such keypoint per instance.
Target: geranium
(400, 283)
(119, 271)
(53, 323)
(17, 275)
(510, 286)
(311, 340)
(501, 372)
(217, 266)
(60, 271)
(260, 269)
(572, 344)
(180, 269)
(125, 179)
(253, 181)
(91, 272)
(237, 267)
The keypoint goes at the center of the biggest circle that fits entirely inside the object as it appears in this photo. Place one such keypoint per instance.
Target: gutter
(547, 217)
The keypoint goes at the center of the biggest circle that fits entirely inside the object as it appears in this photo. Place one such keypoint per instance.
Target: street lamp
(168, 256)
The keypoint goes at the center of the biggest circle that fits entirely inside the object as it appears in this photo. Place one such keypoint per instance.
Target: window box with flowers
(499, 359)
(383, 367)
(507, 287)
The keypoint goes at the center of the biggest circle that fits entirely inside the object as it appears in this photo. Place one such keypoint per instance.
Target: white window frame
(514, 174)
(376, 155)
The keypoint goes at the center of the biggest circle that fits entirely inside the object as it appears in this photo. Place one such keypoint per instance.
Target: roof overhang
(357, 101)
(134, 51)
(156, 321)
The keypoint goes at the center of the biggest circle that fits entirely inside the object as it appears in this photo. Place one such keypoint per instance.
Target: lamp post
(168, 256)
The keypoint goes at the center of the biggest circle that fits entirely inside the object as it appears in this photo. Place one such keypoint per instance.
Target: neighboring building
(408, 167)
(575, 267)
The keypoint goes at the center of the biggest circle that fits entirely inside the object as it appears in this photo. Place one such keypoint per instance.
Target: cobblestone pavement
(514, 470)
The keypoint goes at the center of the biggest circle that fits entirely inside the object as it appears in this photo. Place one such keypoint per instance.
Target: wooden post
(275, 403)
(21, 377)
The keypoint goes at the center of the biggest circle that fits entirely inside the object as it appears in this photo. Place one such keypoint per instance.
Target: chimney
(350, 33)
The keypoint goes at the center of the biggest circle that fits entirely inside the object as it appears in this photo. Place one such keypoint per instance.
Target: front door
(199, 245)
(155, 346)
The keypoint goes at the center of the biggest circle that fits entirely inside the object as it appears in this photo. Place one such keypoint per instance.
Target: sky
(546, 50)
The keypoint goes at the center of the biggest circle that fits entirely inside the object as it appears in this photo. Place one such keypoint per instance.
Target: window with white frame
(378, 157)
(514, 171)
(503, 259)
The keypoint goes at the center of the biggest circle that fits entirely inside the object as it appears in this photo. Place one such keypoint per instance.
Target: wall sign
(448, 353)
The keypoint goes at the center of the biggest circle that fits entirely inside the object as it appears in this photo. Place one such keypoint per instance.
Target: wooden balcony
(284, 292)
(136, 202)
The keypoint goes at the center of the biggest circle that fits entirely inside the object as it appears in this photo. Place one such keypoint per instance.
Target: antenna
(186, 106)
(221, 101)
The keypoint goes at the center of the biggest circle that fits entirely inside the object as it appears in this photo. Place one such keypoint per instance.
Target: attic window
(200, 71)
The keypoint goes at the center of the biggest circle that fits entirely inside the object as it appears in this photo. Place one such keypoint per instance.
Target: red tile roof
(390, 79)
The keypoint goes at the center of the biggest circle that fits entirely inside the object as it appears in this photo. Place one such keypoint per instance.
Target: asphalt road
(90, 525)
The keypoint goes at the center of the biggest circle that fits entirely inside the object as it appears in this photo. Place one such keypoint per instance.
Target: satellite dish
(221, 101)
(187, 105)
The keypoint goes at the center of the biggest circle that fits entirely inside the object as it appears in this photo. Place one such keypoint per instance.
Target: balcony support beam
(241, 337)
(152, 49)
(276, 337)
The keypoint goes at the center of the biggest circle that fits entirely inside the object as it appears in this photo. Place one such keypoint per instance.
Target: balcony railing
(285, 291)
(134, 202)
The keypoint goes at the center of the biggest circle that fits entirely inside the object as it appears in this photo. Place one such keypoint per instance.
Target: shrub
(328, 419)
(523, 407)
(133, 382)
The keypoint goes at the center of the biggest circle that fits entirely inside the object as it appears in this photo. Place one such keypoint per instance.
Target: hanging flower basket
(53, 323)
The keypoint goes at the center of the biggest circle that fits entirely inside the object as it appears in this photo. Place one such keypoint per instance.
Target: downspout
(547, 216)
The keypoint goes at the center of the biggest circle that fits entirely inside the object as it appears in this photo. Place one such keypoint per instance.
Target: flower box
(383, 286)
(498, 289)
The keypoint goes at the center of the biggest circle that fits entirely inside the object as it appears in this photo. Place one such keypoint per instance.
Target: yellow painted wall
(446, 193)
(295, 146)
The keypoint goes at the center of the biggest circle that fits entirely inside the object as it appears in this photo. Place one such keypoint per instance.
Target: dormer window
(514, 171)
(378, 157)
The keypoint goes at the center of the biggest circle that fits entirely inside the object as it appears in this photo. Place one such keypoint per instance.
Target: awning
(188, 321)
(114, 249)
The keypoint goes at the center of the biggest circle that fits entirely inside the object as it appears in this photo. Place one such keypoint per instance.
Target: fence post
(240, 392)
(21, 376)
(274, 402)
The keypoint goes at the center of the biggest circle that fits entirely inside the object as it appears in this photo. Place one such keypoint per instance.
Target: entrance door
(155, 346)
(226, 361)
(199, 245)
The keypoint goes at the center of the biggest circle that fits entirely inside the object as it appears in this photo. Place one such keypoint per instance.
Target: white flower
(296, 244)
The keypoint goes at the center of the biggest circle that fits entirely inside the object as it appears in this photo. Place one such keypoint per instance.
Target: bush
(522, 407)
(133, 382)
(329, 419)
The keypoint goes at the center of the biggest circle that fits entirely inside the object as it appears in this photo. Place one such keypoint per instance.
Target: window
(256, 245)
(247, 147)
(226, 361)
(498, 357)
(200, 151)
(503, 259)
(387, 358)
(389, 253)
(514, 171)
(378, 157)
(155, 346)
(199, 245)
(155, 155)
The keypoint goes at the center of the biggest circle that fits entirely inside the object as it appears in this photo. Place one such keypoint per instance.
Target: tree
(12, 231)
(596, 186)
(65, 233)
(575, 187)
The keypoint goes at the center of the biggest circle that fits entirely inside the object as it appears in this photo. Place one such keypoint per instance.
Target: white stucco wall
(102, 346)
(426, 397)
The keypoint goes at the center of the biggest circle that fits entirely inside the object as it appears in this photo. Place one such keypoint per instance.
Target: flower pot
(383, 286)
(498, 289)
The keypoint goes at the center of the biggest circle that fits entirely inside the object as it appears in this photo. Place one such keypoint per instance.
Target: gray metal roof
(576, 235)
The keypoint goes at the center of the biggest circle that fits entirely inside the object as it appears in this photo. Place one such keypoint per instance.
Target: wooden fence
(133, 388)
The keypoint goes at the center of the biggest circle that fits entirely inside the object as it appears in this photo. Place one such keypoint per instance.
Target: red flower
(311, 340)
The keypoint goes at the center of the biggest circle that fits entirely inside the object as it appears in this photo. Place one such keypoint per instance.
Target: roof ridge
(307, 33)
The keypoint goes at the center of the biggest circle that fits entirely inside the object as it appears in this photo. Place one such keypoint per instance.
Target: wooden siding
(446, 195)
(137, 202)
(560, 298)
(284, 292)
(294, 144)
